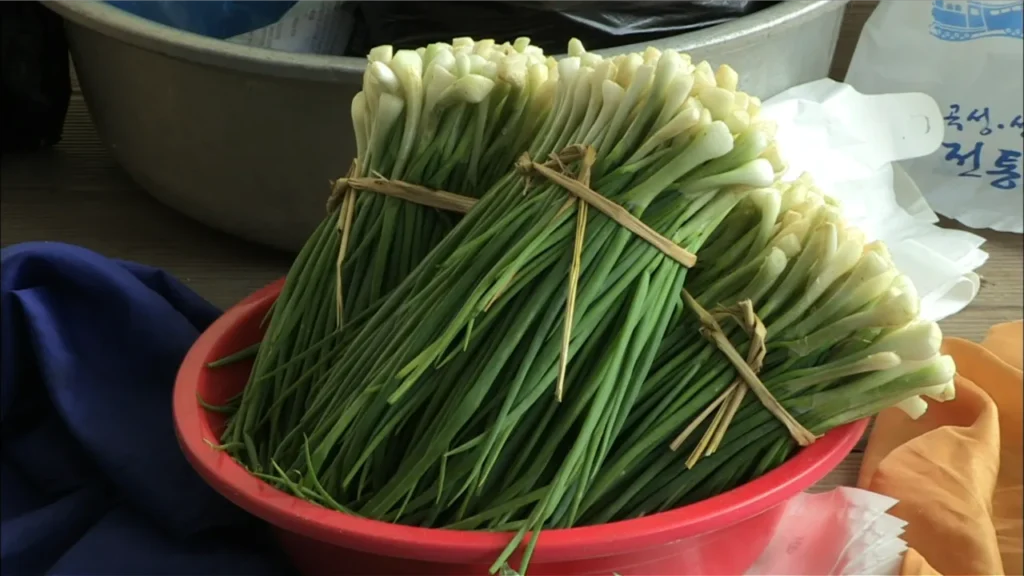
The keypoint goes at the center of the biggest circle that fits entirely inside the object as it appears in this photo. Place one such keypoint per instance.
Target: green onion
(542, 365)
(444, 117)
(857, 348)
(470, 345)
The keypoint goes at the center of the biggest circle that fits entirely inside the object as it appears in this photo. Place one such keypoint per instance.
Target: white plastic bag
(301, 26)
(843, 531)
(308, 27)
(849, 143)
(969, 56)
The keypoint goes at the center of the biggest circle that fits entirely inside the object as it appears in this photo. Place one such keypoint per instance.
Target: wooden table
(77, 194)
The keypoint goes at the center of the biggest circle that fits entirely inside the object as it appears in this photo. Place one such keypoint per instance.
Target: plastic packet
(549, 24)
(843, 531)
(304, 26)
(969, 56)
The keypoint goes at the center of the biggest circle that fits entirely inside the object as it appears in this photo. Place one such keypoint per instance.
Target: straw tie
(727, 403)
(343, 193)
(584, 197)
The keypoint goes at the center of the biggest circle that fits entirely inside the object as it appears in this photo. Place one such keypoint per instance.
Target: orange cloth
(957, 471)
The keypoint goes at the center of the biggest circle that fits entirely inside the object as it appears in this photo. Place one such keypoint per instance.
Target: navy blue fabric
(92, 480)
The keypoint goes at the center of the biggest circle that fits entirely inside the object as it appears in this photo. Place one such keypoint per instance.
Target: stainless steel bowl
(245, 139)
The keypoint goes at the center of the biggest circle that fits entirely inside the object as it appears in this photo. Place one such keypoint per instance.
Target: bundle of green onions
(553, 359)
(444, 117)
(441, 118)
(843, 342)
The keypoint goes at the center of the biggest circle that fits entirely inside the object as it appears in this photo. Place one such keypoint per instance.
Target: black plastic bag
(36, 84)
(549, 24)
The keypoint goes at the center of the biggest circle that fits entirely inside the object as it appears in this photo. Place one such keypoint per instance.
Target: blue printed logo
(962, 20)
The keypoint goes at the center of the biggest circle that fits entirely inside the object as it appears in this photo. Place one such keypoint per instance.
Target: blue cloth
(92, 480)
(216, 19)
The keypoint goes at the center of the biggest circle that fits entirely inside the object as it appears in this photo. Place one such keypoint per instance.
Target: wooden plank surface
(857, 12)
(75, 193)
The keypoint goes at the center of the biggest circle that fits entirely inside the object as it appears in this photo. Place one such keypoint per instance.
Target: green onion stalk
(447, 117)
(844, 341)
(463, 399)
(440, 410)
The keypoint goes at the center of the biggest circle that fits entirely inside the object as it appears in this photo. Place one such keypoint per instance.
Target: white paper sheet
(848, 142)
(842, 531)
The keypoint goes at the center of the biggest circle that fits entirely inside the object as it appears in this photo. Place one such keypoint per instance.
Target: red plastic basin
(721, 535)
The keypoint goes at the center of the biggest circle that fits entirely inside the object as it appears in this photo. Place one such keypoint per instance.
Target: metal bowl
(245, 139)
